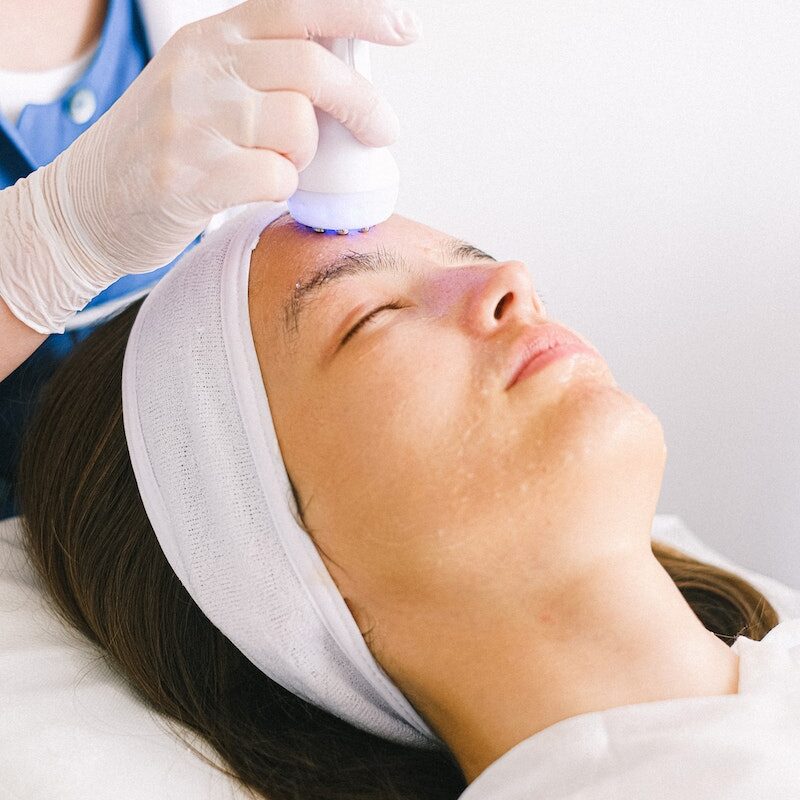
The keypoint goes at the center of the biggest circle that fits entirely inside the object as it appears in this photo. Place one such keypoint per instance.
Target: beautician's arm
(223, 115)
(17, 341)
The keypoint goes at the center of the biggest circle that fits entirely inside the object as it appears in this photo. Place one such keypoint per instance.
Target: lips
(537, 340)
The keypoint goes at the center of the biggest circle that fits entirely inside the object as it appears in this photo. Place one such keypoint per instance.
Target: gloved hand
(222, 115)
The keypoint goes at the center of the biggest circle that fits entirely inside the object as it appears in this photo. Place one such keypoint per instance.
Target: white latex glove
(223, 115)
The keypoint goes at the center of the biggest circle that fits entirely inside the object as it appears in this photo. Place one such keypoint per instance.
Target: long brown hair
(88, 537)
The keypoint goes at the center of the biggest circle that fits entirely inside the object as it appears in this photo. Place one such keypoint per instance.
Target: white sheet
(70, 728)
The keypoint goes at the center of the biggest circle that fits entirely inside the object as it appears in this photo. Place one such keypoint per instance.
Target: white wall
(643, 158)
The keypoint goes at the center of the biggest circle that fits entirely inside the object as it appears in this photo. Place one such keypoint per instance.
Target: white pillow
(71, 729)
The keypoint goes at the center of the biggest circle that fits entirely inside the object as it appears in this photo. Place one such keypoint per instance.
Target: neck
(618, 634)
(41, 36)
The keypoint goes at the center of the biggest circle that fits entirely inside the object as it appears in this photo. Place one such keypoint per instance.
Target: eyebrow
(351, 263)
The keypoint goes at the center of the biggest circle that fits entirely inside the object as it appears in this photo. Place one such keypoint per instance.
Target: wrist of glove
(49, 269)
(60, 244)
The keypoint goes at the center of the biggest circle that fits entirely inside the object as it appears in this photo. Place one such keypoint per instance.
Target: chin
(591, 419)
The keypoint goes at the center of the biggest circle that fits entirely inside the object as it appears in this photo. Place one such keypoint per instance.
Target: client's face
(420, 472)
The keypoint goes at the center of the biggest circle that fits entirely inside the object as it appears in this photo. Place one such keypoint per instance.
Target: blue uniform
(41, 133)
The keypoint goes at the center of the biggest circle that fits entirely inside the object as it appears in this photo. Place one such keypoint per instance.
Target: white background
(643, 158)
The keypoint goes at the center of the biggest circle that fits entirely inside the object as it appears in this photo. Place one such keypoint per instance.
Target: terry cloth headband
(213, 483)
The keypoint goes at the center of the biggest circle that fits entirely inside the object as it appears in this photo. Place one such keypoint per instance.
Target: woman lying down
(317, 503)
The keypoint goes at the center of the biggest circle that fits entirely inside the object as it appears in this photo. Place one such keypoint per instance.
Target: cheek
(391, 413)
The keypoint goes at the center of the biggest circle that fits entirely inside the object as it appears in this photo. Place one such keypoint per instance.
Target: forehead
(287, 252)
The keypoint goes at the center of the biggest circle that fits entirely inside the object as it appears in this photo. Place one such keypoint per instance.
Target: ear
(365, 625)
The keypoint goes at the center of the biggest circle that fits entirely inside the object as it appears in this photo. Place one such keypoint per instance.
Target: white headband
(216, 491)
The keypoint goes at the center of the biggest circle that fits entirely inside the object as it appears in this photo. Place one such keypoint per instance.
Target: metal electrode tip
(341, 231)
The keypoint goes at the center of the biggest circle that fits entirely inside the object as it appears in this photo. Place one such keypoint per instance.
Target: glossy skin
(482, 538)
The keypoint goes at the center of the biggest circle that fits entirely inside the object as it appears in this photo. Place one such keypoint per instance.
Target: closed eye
(366, 318)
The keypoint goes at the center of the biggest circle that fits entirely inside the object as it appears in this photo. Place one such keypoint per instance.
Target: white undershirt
(19, 89)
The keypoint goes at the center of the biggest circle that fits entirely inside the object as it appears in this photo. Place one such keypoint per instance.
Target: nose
(504, 295)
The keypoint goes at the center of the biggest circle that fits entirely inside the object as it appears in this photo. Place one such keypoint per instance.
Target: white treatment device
(348, 185)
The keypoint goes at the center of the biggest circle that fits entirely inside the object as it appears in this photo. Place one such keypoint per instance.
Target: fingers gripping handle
(348, 185)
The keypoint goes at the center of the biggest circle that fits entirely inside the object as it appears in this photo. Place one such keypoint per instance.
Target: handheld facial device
(348, 185)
